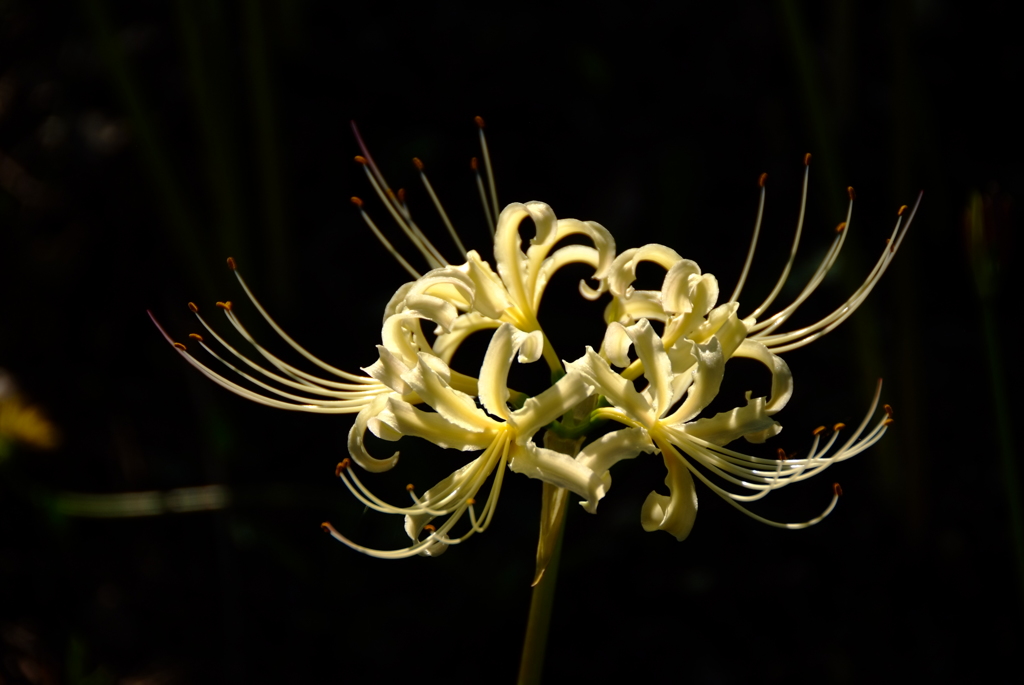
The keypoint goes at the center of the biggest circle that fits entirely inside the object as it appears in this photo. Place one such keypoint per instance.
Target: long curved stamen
(288, 339)
(487, 164)
(292, 371)
(411, 230)
(491, 223)
(440, 534)
(357, 401)
(384, 241)
(726, 495)
(795, 339)
(753, 241)
(347, 390)
(792, 252)
(437, 203)
(826, 264)
(245, 392)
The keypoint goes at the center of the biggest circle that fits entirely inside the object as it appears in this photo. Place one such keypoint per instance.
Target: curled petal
(707, 374)
(388, 369)
(782, 377)
(676, 512)
(608, 450)
(401, 418)
(556, 468)
(505, 344)
(675, 289)
(657, 367)
(723, 323)
(467, 324)
(508, 253)
(355, 438)
(604, 246)
(616, 344)
(641, 304)
(433, 309)
(752, 422)
(457, 407)
(491, 297)
(560, 398)
(448, 283)
(569, 254)
(623, 269)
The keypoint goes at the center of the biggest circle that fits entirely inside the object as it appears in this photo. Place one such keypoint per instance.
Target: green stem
(531, 665)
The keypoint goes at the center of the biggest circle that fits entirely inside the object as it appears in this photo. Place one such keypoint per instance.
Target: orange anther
(410, 487)
(841, 227)
(226, 306)
(361, 159)
(839, 426)
(418, 163)
(345, 463)
(231, 264)
(807, 159)
(179, 346)
(356, 201)
(472, 164)
(338, 469)
(196, 336)
(470, 501)
(429, 527)
(781, 454)
(761, 179)
(849, 191)
(325, 527)
(837, 489)
(887, 409)
(888, 422)
(479, 121)
(401, 195)
(193, 308)
(903, 208)
(819, 430)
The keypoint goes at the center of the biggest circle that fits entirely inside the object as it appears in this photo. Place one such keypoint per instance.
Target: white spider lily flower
(457, 422)
(686, 301)
(471, 297)
(663, 418)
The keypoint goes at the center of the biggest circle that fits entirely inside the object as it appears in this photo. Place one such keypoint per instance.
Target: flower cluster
(678, 339)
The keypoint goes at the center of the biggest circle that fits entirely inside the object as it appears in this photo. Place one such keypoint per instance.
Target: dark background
(143, 142)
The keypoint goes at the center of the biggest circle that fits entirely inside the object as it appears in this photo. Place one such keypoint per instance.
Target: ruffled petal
(457, 407)
(623, 269)
(751, 421)
(508, 253)
(388, 369)
(657, 367)
(355, 438)
(608, 450)
(560, 398)
(556, 468)
(782, 377)
(493, 384)
(673, 513)
(400, 418)
(708, 372)
(491, 297)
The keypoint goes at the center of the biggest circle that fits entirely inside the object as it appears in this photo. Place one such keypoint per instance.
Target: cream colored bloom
(412, 390)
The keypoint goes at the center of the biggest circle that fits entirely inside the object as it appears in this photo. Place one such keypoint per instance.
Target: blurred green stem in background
(179, 224)
(981, 225)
